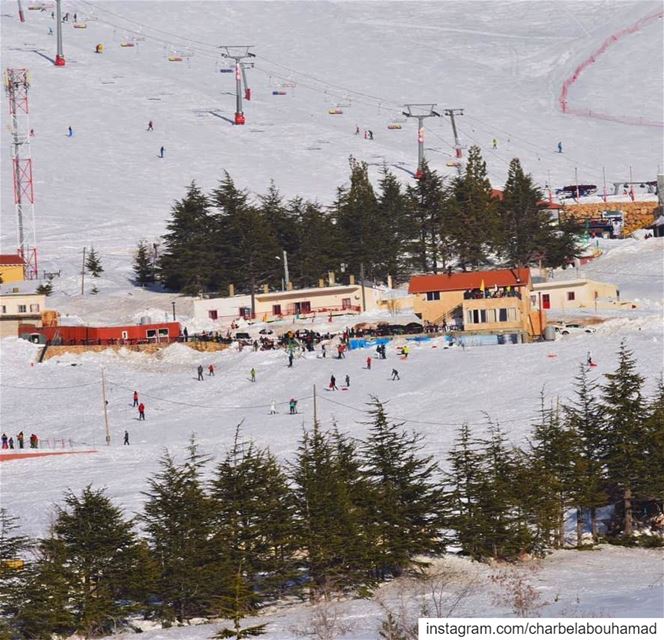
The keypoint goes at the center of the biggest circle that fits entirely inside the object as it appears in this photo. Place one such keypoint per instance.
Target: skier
(70, 132)
(369, 363)
(4, 441)
(210, 369)
(494, 143)
(50, 31)
(324, 350)
(141, 411)
(11, 443)
(347, 381)
(273, 408)
(252, 373)
(560, 147)
(404, 351)
(20, 438)
(357, 130)
(589, 360)
(200, 372)
(333, 383)
(395, 375)
(135, 399)
(292, 406)
(185, 333)
(150, 127)
(161, 155)
(370, 133)
(126, 437)
(290, 359)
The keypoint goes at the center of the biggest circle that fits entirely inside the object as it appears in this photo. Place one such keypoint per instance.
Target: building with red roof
(12, 268)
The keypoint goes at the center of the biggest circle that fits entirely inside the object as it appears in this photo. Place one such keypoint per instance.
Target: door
(546, 301)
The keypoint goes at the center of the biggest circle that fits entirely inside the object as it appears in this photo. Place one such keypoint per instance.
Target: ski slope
(504, 63)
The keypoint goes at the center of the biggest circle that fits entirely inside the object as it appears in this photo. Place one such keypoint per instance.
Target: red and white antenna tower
(17, 83)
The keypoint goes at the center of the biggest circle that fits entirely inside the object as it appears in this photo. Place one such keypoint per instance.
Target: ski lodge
(493, 302)
(19, 303)
(563, 295)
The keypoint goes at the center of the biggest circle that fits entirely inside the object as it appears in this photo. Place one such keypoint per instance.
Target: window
(245, 312)
(533, 300)
(546, 301)
(305, 307)
(511, 314)
(491, 315)
(276, 309)
(212, 314)
(433, 295)
(469, 317)
(4, 309)
(502, 315)
(125, 335)
(22, 308)
(163, 333)
(34, 308)
(345, 303)
(570, 296)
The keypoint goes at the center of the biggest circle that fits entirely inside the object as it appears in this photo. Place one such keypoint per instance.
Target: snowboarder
(395, 375)
(150, 127)
(141, 411)
(252, 373)
(161, 152)
(347, 381)
(200, 372)
(4, 441)
(70, 132)
(369, 363)
(292, 406)
(273, 408)
(135, 399)
(210, 369)
(20, 438)
(126, 437)
(560, 147)
(333, 383)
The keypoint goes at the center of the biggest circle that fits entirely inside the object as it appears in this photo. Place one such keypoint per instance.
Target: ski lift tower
(59, 55)
(420, 111)
(17, 83)
(239, 53)
(451, 113)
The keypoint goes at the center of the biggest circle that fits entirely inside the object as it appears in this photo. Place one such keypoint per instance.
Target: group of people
(495, 292)
(8, 442)
(140, 406)
(368, 133)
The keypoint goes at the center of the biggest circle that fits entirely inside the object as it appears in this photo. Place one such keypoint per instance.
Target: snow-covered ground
(504, 62)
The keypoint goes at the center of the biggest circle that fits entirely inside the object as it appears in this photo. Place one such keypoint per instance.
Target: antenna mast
(17, 83)
(420, 111)
(239, 53)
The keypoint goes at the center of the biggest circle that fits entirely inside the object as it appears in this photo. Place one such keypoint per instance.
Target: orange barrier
(5, 457)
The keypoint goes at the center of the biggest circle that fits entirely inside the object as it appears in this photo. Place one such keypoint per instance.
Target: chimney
(231, 290)
(330, 278)
(351, 279)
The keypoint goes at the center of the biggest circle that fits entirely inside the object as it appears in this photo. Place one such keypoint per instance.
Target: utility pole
(420, 111)
(286, 275)
(21, 17)
(103, 397)
(173, 303)
(451, 113)
(239, 53)
(315, 407)
(364, 300)
(59, 56)
(604, 182)
(576, 181)
(83, 274)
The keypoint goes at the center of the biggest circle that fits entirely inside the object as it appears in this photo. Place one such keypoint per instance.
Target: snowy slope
(503, 62)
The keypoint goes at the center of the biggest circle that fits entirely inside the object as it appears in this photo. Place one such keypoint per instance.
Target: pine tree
(404, 501)
(143, 265)
(93, 264)
(474, 212)
(653, 484)
(188, 260)
(392, 231)
(45, 288)
(96, 546)
(178, 521)
(13, 547)
(328, 522)
(253, 514)
(625, 416)
(583, 416)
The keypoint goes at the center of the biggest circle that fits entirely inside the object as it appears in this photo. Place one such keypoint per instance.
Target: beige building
(574, 294)
(19, 304)
(12, 268)
(478, 301)
(307, 303)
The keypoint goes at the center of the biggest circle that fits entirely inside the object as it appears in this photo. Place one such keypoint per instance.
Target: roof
(545, 204)
(10, 259)
(469, 280)
(563, 284)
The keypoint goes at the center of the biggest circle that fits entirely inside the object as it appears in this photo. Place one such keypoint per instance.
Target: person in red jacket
(135, 398)
(141, 411)
(369, 362)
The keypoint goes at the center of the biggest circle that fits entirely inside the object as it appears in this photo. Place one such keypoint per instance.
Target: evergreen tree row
(227, 237)
(344, 515)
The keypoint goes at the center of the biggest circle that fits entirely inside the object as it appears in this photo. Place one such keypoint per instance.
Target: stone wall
(638, 215)
(57, 350)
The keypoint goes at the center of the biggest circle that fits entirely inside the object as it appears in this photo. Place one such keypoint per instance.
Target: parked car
(242, 335)
(569, 328)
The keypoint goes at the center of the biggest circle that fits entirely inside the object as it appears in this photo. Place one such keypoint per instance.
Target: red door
(546, 301)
